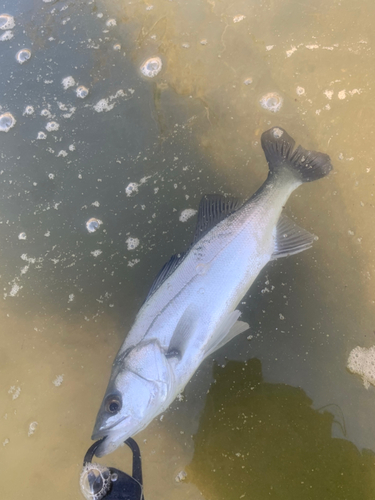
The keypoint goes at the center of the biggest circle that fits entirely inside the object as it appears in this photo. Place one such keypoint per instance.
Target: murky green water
(283, 417)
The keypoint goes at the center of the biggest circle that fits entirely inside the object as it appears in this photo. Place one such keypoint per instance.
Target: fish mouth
(109, 443)
(103, 432)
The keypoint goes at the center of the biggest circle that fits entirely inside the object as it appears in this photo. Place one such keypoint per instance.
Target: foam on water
(58, 380)
(186, 214)
(23, 55)
(110, 22)
(22, 236)
(181, 476)
(8, 35)
(131, 189)
(6, 22)
(239, 18)
(271, 101)
(96, 253)
(32, 428)
(151, 67)
(82, 92)
(7, 121)
(29, 110)
(300, 91)
(68, 82)
(362, 362)
(41, 135)
(52, 126)
(103, 105)
(132, 243)
(117, 46)
(46, 113)
(15, 392)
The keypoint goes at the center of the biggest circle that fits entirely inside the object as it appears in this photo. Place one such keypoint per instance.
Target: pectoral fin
(184, 329)
(290, 238)
(229, 329)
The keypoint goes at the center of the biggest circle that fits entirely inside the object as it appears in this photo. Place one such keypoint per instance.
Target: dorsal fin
(213, 208)
(165, 272)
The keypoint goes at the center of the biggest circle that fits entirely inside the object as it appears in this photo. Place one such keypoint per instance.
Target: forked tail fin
(305, 165)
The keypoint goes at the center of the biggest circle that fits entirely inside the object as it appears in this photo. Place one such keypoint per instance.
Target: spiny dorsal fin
(164, 273)
(290, 238)
(213, 208)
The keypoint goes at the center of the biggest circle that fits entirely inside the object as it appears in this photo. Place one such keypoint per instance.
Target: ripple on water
(7, 121)
(93, 225)
(151, 67)
(82, 92)
(271, 101)
(23, 55)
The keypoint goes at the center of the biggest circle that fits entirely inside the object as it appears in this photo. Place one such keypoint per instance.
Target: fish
(191, 309)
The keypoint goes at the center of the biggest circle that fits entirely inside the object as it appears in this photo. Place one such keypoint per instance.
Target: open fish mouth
(103, 432)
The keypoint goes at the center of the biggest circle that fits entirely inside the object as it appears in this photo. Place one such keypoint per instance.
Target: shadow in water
(260, 440)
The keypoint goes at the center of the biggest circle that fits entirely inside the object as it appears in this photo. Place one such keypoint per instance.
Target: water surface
(134, 153)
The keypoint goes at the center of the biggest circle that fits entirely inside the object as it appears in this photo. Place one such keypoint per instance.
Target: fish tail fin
(305, 165)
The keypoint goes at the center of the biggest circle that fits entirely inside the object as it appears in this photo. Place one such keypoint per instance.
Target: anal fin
(290, 238)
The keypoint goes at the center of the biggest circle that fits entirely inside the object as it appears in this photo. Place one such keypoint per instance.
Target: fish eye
(113, 405)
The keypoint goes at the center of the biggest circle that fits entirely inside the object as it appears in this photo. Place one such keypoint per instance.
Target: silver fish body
(191, 312)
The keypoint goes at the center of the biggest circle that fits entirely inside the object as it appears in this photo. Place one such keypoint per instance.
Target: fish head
(139, 386)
